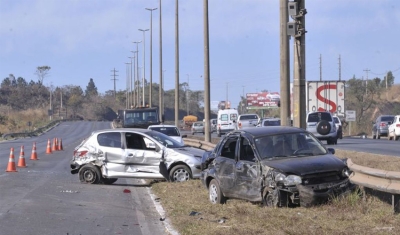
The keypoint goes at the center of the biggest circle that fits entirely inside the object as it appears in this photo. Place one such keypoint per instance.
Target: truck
(188, 121)
(326, 96)
(138, 117)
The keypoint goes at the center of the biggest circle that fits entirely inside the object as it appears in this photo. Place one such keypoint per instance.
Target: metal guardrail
(380, 180)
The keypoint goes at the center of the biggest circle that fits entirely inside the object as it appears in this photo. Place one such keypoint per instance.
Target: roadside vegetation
(190, 212)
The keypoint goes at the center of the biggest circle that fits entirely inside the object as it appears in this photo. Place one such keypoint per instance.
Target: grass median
(190, 212)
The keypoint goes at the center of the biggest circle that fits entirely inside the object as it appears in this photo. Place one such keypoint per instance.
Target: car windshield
(165, 140)
(316, 117)
(288, 145)
(272, 123)
(170, 131)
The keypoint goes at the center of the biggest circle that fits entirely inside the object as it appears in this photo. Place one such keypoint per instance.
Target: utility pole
(187, 96)
(320, 67)
(284, 64)
(207, 111)
(340, 69)
(176, 64)
(366, 81)
(114, 75)
(151, 56)
(161, 89)
(127, 86)
(297, 11)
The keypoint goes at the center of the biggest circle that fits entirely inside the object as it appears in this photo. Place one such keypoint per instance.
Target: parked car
(269, 122)
(380, 126)
(321, 124)
(197, 127)
(107, 155)
(247, 120)
(170, 130)
(226, 121)
(278, 166)
(339, 127)
(394, 129)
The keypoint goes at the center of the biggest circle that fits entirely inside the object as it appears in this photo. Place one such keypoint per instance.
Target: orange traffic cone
(11, 162)
(34, 154)
(60, 147)
(21, 160)
(53, 148)
(48, 148)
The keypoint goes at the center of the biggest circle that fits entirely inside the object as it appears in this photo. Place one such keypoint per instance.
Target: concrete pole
(176, 64)
(207, 104)
(151, 56)
(144, 64)
(137, 74)
(161, 89)
(284, 66)
(299, 81)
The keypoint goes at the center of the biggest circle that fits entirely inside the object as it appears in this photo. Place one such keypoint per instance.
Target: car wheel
(215, 194)
(109, 180)
(89, 174)
(180, 173)
(323, 127)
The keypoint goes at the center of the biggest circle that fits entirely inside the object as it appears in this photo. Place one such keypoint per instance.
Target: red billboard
(262, 100)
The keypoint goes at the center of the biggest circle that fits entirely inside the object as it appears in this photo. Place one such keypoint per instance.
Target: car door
(141, 158)
(247, 170)
(224, 164)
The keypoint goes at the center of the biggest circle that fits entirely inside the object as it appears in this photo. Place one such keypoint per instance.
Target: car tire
(323, 127)
(109, 180)
(180, 173)
(89, 174)
(214, 193)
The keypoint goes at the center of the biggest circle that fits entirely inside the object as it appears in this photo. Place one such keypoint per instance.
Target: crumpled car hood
(306, 165)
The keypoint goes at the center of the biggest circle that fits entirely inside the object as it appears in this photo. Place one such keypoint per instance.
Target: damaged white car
(276, 165)
(107, 155)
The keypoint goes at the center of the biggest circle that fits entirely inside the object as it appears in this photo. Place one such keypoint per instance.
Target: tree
(91, 89)
(42, 72)
(388, 81)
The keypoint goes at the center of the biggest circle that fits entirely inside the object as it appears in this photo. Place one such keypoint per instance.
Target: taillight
(80, 153)
(240, 124)
(382, 124)
(397, 125)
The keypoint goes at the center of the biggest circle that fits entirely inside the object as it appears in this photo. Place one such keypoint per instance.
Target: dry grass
(352, 214)
(18, 121)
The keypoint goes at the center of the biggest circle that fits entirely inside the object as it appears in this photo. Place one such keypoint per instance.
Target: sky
(83, 39)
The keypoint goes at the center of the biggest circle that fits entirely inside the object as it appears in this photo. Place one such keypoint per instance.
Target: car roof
(269, 130)
(163, 125)
(123, 130)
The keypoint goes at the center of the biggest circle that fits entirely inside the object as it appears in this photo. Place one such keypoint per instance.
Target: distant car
(321, 124)
(279, 166)
(197, 127)
(269, 122)
(213, 125)
(107, 155)
(339, 127)
(247, 120)
(380, 126)
(170, 130)
(394, 129)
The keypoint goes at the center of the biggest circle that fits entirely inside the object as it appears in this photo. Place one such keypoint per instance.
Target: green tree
(42, 72)
(388, 81)
(91, 89)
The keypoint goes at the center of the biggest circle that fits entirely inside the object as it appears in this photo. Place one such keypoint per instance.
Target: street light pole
(187, 96)
(161, 93)
(144, 62)
(133, 83)
(130, 83)
(137, 74)
(151, 55)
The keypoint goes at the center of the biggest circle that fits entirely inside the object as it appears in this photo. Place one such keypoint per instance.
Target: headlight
(289, 180)
(346, 172)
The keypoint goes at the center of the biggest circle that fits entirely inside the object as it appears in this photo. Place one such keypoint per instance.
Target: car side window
(134, 141)
(229, 148)
(109, 139)
(246, 151)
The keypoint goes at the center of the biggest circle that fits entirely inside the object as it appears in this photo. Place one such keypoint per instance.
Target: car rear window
(316, 117)
(387, 118)
(272, 122)
(247, 117)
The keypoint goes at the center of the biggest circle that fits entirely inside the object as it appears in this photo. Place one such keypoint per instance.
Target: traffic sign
(350, 115)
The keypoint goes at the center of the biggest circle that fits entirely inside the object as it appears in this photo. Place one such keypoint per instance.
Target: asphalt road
(45, 198)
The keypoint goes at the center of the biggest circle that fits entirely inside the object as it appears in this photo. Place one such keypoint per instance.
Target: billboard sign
(262, 100)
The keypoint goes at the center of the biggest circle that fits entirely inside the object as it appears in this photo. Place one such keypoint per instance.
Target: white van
(226, 121)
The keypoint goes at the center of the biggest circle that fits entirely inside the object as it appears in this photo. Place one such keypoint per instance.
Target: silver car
(107, 155)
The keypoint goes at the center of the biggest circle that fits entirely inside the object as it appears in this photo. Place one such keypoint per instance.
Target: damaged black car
(279, 166)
